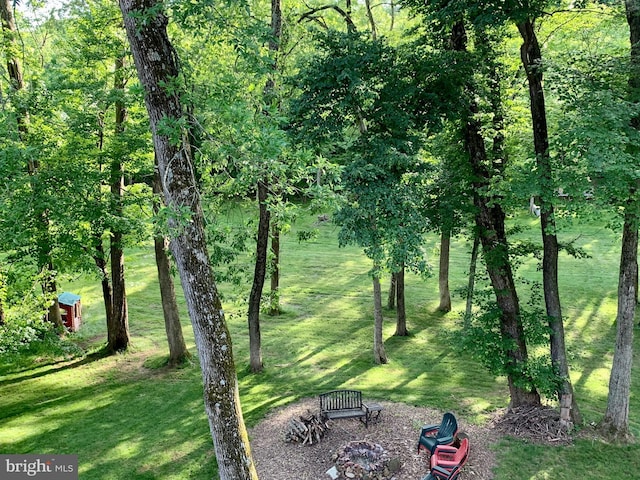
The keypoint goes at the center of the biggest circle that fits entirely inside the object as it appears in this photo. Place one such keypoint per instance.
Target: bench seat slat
(353, 412)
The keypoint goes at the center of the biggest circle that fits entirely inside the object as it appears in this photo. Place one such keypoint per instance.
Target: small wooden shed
(71, 310)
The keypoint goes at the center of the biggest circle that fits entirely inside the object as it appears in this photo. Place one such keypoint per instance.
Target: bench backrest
(340, 400)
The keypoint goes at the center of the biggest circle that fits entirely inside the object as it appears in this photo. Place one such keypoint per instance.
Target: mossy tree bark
(157, 66)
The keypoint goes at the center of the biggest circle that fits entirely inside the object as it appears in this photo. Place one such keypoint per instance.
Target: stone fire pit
(362, 460)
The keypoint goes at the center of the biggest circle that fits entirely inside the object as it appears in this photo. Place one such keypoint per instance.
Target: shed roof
(67, 298)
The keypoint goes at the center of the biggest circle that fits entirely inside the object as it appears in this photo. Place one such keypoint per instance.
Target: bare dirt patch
(396, 431)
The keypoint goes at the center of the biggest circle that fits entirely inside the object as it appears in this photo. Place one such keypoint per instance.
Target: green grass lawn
(127, 417)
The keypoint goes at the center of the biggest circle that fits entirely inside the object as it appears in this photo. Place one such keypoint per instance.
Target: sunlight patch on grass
(128, 418)
(543, 475)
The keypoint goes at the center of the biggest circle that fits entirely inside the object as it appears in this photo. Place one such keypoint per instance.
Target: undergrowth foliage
(18, 332)
(26, 332)
(482, 338)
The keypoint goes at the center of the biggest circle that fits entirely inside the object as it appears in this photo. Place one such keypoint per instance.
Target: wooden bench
(344, 404)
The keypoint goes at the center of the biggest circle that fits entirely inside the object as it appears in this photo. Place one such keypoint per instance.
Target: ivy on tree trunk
(157, 67)
(490, 223)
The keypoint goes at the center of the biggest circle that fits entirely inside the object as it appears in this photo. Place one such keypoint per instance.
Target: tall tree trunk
(271, 97)
(472, 280)
(118, 323)
(443, 272)
(100, 259)
(401, 312)
(50, 288)
(178, 352)
(490, 223)
(531, 57)
(274, 304)
(615, 423)
(379, 355)
(157, 66)
(259, 274)
(490, 220)
(391, 298)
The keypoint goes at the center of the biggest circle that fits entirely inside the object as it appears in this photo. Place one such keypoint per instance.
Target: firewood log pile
(305, 429)
(537, 424)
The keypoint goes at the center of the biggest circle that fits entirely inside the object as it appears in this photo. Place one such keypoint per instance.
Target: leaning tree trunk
(118, 323)
(443, 272)
(531, 57)
(157, 67)
(260, 271)
(401, 312)
(379, 355)
(490, 220)
(178, 352)
(616, 420)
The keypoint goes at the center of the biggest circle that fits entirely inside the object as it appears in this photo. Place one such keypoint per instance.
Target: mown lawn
(127, 417)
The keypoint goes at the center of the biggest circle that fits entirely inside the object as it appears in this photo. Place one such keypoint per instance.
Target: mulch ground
(397, 432)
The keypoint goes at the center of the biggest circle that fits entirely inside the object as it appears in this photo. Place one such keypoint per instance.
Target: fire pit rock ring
(362, 460)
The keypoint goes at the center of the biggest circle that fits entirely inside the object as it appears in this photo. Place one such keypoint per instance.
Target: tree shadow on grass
(56, 366)
(122, 427)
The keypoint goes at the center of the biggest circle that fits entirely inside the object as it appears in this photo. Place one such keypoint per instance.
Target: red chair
(450, 457)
